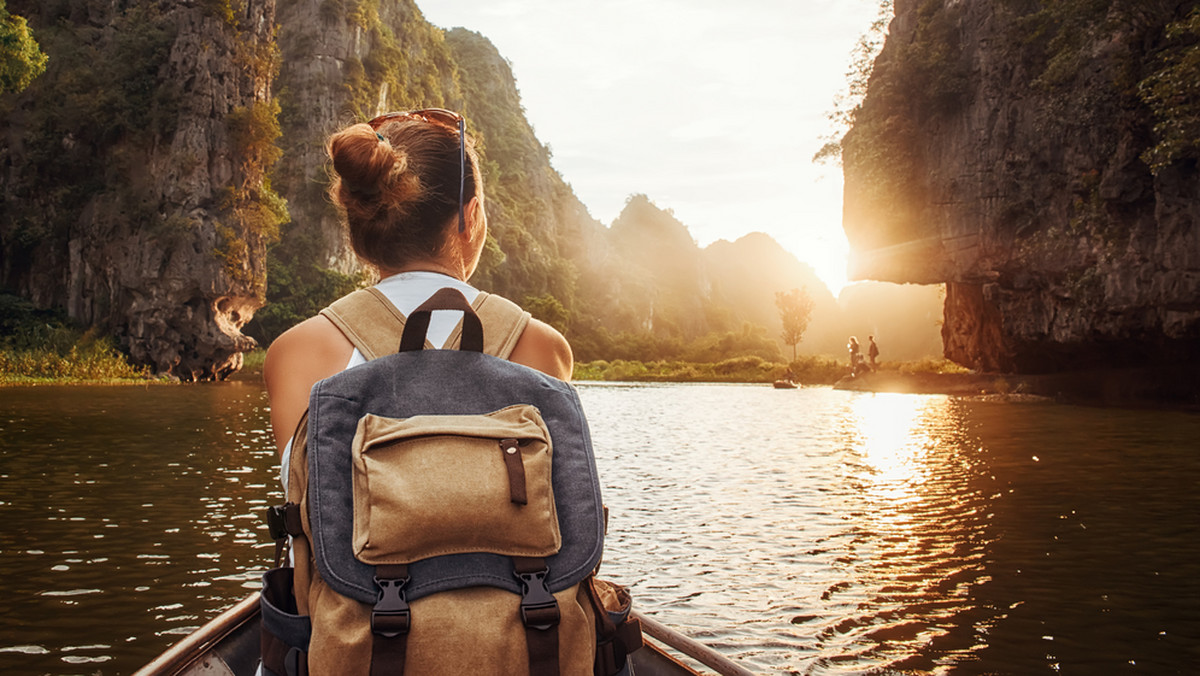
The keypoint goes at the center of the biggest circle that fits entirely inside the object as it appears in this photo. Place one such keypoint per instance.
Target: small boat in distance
(228, 646)
(785, 385)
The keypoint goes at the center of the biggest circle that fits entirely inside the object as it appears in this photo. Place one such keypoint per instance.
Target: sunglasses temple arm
(462, 174)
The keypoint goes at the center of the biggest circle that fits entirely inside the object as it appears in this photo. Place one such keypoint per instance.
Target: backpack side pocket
(285, 633)
(618, 633)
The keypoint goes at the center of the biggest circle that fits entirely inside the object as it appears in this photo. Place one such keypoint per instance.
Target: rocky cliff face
(136, 194)
(133, 188)
(1002, 149)
(345, 63)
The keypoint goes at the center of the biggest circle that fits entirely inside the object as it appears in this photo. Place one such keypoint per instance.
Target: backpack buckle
(390, 616)
(284, 520)
(539, 608)
(276, 524)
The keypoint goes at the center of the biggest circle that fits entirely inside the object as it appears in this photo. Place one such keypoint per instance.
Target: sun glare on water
(893, 439)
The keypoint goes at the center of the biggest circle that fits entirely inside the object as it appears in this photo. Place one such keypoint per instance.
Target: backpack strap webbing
(390, 621)
(539, 614)
(373, 325)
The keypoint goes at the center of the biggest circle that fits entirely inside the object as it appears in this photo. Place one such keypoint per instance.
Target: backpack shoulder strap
(503, 321)
(373, 325)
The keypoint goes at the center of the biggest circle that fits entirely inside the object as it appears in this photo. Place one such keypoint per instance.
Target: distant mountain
(903, 318)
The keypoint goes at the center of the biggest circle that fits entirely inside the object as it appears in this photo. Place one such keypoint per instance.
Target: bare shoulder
(304, 354)
(314, 344)
(542, 347)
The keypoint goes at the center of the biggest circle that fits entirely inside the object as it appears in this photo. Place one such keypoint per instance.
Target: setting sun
(713, 111)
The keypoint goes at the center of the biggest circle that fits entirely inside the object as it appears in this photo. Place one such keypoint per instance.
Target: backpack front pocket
(448, 484)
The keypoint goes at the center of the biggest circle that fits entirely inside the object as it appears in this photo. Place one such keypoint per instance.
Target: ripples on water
(804, 531)
(127, 519)
(814, 531)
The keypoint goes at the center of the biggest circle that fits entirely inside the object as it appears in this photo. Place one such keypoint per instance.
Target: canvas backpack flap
(446, 383)
(463, 483)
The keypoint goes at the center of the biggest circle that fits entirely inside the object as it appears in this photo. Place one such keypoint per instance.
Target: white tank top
(406, 291)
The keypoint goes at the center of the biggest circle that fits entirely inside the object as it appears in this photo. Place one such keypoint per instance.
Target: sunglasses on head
(446, 118)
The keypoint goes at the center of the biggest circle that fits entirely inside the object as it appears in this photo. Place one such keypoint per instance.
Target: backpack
(444, 512)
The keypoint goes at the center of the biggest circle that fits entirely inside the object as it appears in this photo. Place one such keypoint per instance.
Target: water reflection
(855, 533)
(914, 548)
(892, 436)
(804, 531)
(129, 519)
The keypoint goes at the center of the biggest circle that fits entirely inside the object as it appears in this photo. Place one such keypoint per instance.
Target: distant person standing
(855, 357)
(872, 352)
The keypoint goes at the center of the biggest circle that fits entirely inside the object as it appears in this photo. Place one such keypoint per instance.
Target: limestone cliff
(140, 177)
(345, 62)
(133, 190)
(1005, 148)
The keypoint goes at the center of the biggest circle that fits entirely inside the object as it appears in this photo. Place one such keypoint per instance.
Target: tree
(847, 103)
(1169, 92)
(21, 59)
(795, 308)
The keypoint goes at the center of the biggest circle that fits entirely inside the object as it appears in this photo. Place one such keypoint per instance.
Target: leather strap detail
(388, 655)
(543, 651)
(471, 329)
(510, 450)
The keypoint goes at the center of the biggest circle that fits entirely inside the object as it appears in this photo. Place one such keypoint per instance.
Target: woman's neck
(425, 266)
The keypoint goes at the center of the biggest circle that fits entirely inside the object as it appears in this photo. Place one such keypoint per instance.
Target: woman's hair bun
(368, 165)
(400, 187)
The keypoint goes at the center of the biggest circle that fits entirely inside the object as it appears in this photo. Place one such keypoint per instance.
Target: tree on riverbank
(795, 308)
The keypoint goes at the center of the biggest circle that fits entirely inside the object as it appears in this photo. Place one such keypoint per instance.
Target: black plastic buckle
(277, 521)
(296, 663)
(539, 608)
(390, 616)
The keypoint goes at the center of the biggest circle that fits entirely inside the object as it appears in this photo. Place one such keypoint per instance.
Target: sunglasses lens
(448, 118)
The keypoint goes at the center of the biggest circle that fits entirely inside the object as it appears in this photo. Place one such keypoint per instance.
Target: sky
(713, 109)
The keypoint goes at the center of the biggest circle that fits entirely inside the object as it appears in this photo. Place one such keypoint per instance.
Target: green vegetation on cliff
(105, 90)
(1090, 62)
(21, 58)
(925, 77)
(400, 61)
(1171, 93)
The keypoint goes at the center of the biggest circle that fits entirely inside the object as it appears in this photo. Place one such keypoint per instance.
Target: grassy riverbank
(807, 370)
(82, 359)
(42, 347)
(90, 361)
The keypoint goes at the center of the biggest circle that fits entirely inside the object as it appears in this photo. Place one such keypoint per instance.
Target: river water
(805, 531)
